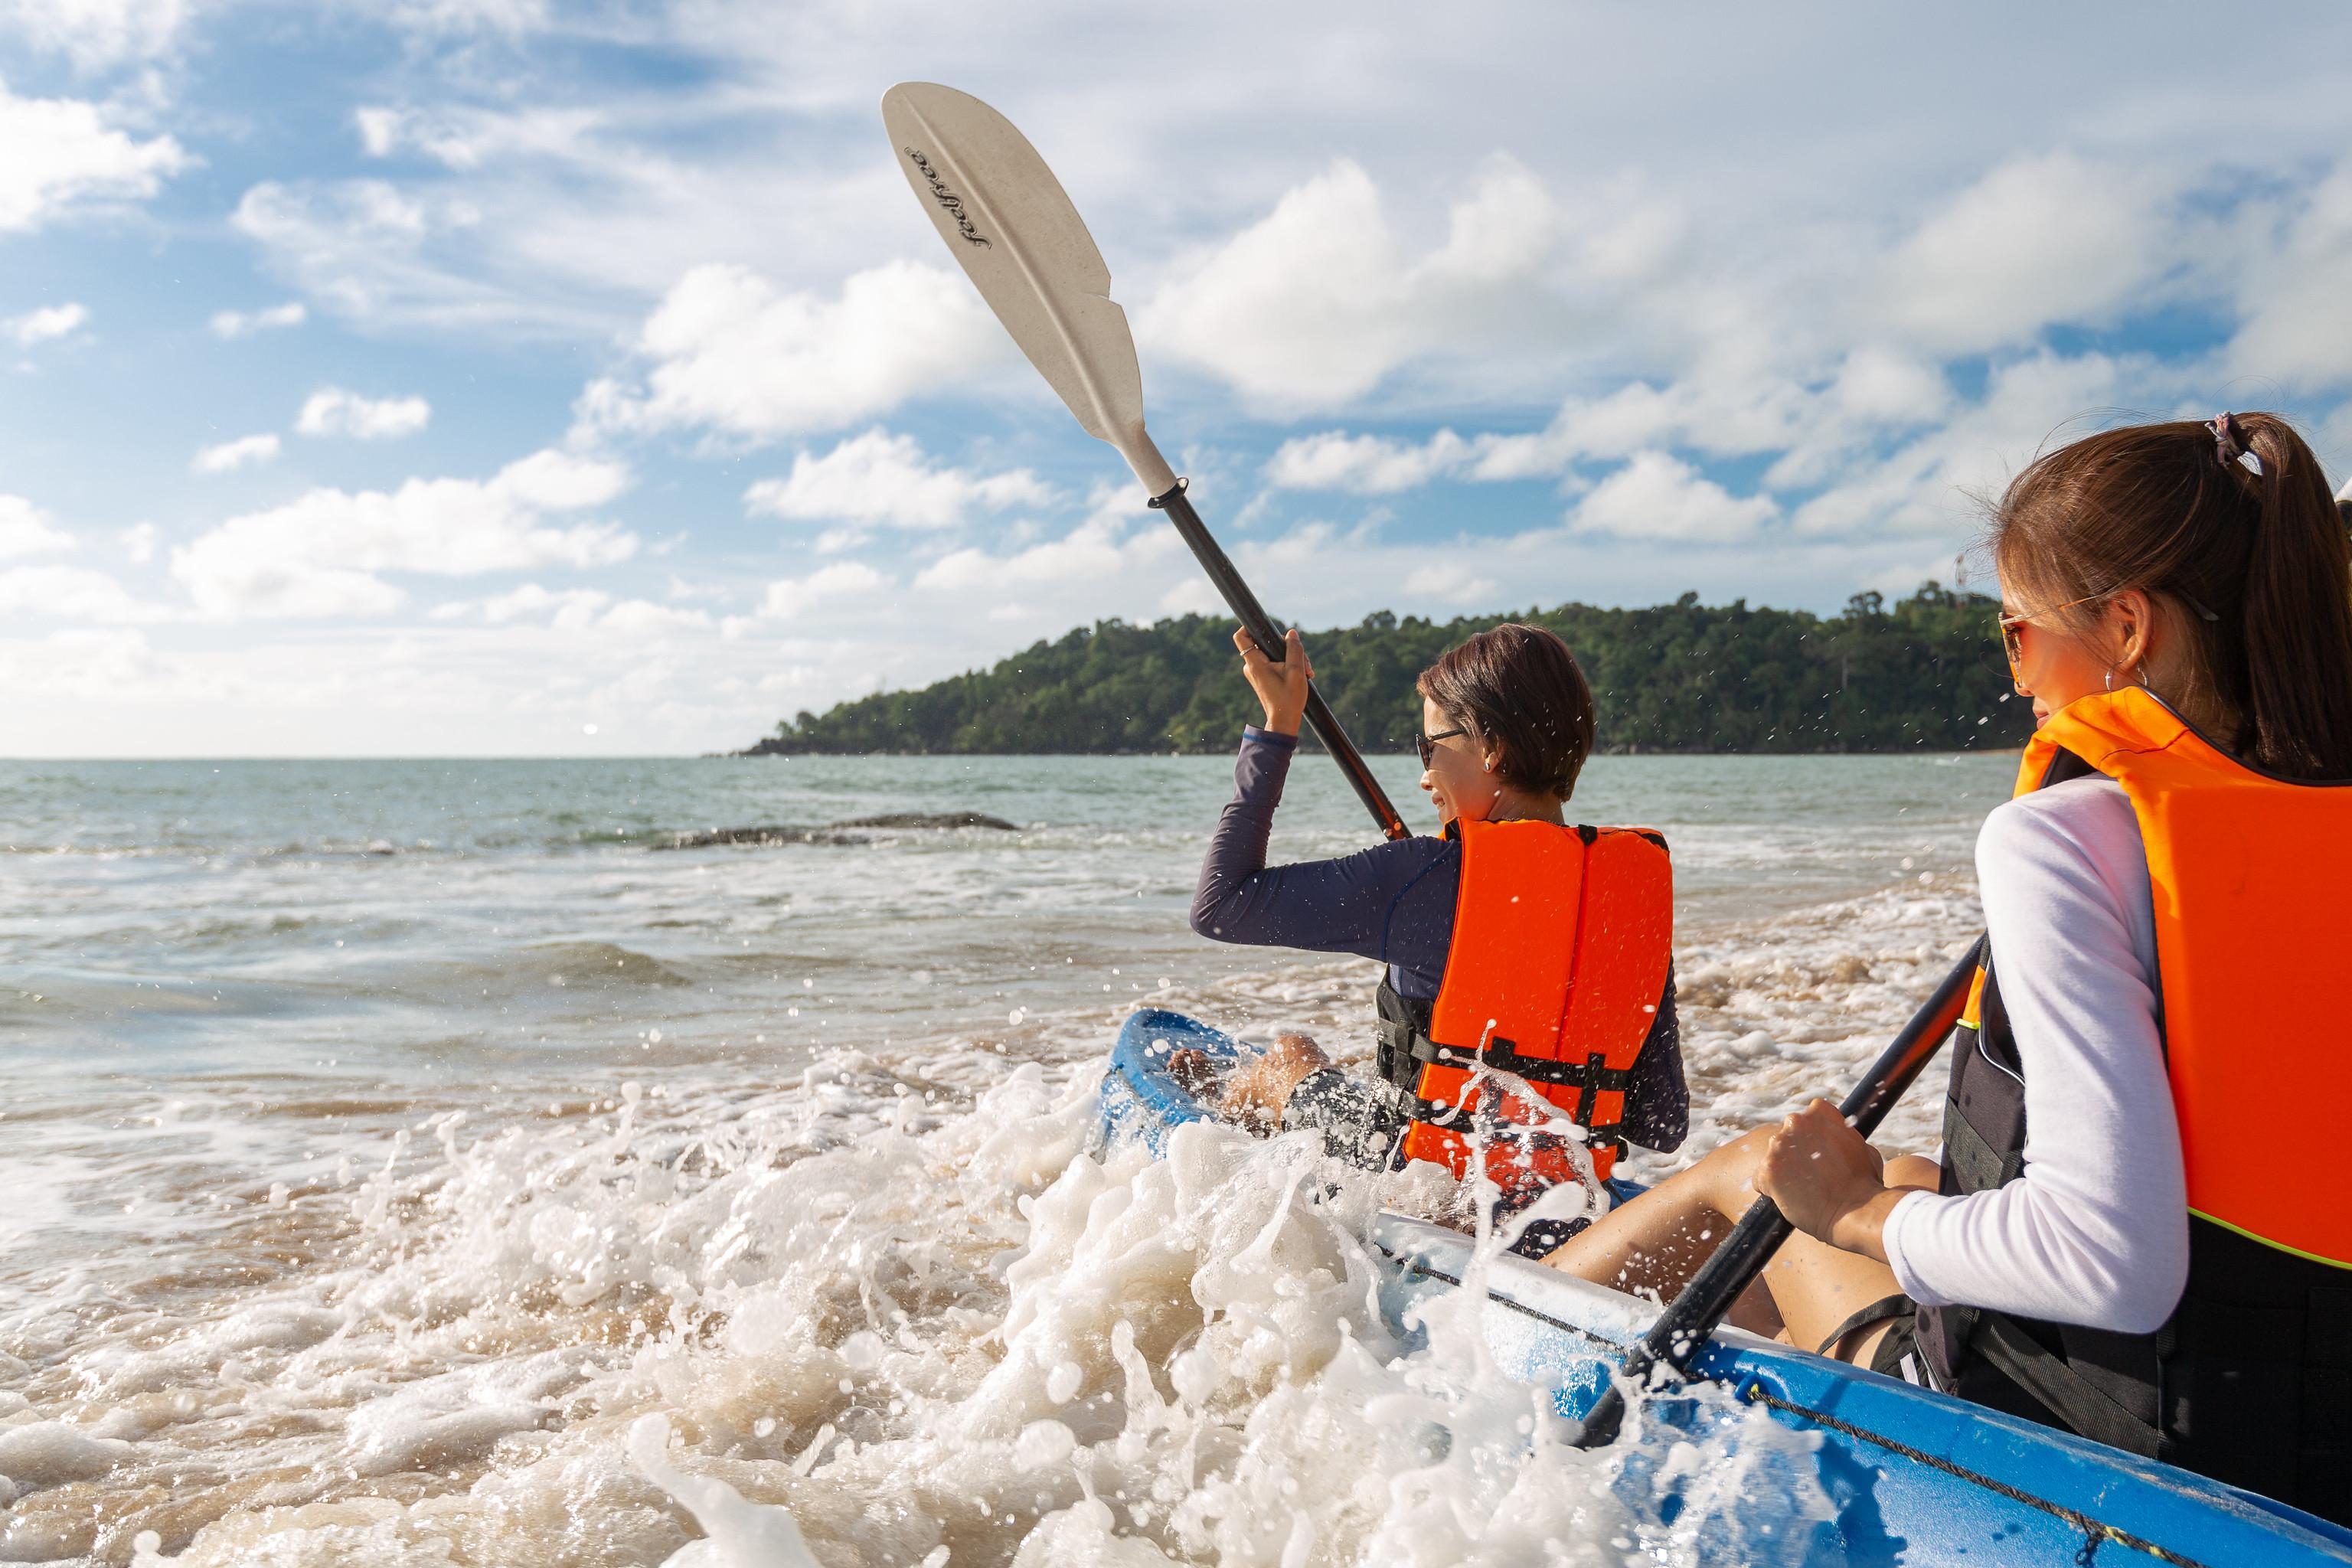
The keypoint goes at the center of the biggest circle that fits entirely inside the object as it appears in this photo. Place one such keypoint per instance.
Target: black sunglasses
(1427, 744)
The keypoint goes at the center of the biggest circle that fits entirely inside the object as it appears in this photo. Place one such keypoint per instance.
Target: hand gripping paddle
(1022, 243)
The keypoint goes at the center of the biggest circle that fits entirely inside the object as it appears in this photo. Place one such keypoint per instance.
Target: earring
(2111, 678)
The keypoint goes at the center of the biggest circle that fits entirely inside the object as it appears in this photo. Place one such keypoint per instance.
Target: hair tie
(2229, 441)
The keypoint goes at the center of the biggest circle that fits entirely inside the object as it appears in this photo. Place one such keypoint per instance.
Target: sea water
(424, 1162)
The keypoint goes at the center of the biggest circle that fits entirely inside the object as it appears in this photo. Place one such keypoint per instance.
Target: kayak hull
(1916, 1476)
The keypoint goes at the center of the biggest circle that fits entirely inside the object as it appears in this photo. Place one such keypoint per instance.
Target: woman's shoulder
(2089, 814)
(2072, 841)
(1415, 850)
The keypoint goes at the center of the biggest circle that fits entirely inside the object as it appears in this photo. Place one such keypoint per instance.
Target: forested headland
(1924, 672)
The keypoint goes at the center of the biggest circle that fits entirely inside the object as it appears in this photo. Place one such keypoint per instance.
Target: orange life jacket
(2250, 879)
(1561, 950)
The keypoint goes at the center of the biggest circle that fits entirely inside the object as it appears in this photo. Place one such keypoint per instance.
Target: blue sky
(511, 377)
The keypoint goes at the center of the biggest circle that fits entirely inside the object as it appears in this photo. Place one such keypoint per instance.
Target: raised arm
(1347, 905)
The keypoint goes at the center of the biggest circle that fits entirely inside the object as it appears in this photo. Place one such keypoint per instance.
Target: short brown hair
(1521, 689)
(2251, 565)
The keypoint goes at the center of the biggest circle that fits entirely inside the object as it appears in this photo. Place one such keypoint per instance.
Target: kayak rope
(2093, 1530)
(1415, 1265)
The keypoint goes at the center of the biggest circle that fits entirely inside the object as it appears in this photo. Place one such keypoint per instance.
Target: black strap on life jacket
(1405, 1047)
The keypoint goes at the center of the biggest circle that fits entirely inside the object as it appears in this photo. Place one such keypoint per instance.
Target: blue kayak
(1917, 1477)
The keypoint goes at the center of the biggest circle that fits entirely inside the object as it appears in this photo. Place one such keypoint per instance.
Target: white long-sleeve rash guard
(2097, 1229)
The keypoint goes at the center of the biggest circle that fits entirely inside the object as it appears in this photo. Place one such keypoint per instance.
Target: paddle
(1016, 235)
(1683, 1330)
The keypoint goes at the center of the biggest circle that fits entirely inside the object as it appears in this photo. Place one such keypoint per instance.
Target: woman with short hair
(1482, 927)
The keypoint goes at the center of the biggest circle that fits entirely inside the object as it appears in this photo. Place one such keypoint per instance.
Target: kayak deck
(1915, 1476)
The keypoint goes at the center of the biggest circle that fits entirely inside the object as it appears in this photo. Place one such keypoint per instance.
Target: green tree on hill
(1925, 672)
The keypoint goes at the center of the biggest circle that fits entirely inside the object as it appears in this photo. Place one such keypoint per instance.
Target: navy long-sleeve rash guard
(1393, 902)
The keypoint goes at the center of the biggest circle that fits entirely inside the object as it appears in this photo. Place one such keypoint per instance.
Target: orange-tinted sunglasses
(2010, 623)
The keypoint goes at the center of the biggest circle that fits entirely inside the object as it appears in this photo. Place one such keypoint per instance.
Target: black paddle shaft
(1685, 1326)
(1268, 637)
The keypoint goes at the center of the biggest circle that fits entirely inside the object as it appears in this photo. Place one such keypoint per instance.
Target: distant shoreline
(1923, 673)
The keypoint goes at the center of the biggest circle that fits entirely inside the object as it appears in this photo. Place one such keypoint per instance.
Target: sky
(513, 377)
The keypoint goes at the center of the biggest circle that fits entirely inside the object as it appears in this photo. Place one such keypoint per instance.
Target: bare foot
(1194, 1070)
(1258, 1093)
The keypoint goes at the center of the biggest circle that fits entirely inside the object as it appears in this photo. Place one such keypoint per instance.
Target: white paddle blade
(1017, 236)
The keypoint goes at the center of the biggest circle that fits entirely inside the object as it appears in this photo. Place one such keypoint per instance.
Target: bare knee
(1912, 1171)
(1725, 1178)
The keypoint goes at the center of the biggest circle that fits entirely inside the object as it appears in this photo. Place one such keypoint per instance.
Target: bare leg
(1257, 1091)
(1658, 1241)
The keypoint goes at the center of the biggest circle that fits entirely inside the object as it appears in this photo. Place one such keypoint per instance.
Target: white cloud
(881, 479)
(80, 665)
(1450, 582)
(465, 139)
(575, 610)
(2038, 240)
(1104, 547)
(26, 530)
(1659, 497)
(1720, 414)
(572, 607)
(733, 351)
(46, 324)
(230, 456)
(2297, 296)
(71, 594)
(332, 411)
(371, 251)
(644, 618)
(98, 33)
(381, 130)
(1872, 390)
(1306, 308)
(138, 543)
(1927, 486)
(1320, 303)
(319, 553)
(1878, 385)
(1364, 465)
(511, 18)
(63, 153)
(245, 323)
(790, 596)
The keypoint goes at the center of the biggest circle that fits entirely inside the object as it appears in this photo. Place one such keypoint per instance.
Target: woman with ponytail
(2136, 1228)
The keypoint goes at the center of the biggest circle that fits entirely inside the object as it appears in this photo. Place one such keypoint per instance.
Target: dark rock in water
(833, 834)
(764, 838)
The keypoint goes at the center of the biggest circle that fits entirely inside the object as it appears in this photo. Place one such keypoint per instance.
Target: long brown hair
(2250, 571)
(1522, 690)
